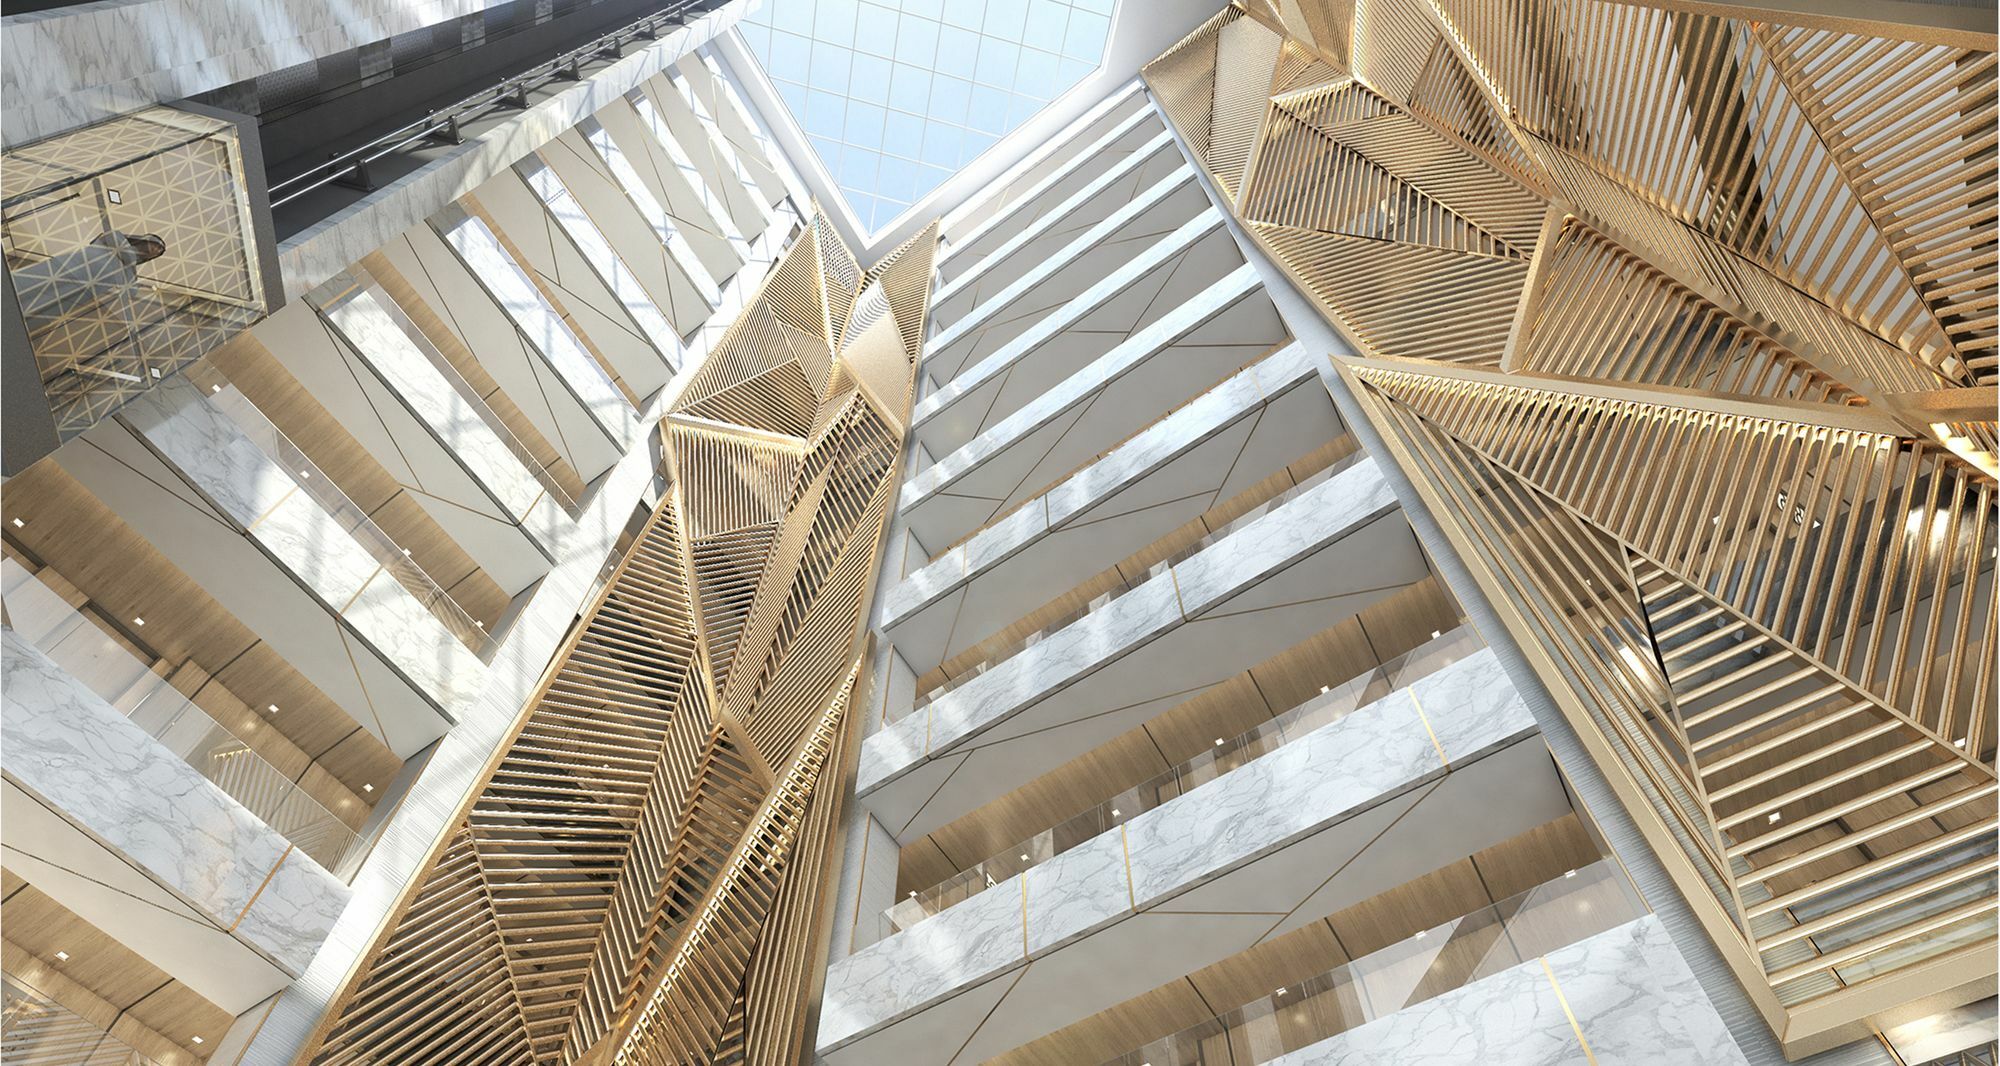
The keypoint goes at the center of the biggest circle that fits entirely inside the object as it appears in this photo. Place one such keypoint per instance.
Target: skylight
(896, 95)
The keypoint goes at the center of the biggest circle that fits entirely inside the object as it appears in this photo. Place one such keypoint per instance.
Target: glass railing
(37, 1031)
(39, 615)
(1332, 704)
(1002, 653)
(219, 391)
(1580, 904)
(355, 281)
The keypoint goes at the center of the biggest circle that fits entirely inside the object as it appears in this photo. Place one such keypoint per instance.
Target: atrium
(1025, 532)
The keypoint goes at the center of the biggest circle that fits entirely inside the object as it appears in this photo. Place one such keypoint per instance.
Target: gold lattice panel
(1686, 325)
(640, 876)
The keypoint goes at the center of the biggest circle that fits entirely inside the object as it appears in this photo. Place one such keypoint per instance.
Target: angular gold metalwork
(641, 875)
(1684, 323)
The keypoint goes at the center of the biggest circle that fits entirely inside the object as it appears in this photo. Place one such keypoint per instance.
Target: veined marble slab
(1261, 838)
(1633, 998)
(193, 432)
(76, 752)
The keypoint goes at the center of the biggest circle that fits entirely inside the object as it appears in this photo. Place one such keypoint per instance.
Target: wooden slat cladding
(1685, 323)
(640, 873)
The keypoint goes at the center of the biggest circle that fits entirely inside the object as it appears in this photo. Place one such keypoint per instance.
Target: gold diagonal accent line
(259, 520)
(1131, 885)
(273, 872)
(1425, 719)
(1024, 915)
(1568, 1013)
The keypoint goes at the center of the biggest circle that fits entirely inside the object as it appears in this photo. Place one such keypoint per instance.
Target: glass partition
(38, 614)
(37, 1031)
(1331, 705)
(1006, 651)
(1580, 904)
(131, 251)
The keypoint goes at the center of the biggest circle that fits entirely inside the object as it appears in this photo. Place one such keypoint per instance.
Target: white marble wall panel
(133, 480)
(720, 170)
(196, 433)
(1228, 439)
(982, 228)
(573, 259)
(707, 189)
(1176, 213)
(657, 217)
(381, 342)
(589, 180)
(492, 144)
(72, 750)
(686, 207)
(441, 281)
(545, 330)
(1253, 848)
(1624, 997)
(1176, 358)
(70, 66)
(709, 90)
(1050, 230)
(1071, 333)
(1291, 573)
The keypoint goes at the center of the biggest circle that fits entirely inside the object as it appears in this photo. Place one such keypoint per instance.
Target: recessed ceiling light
(18, 523)
(273, 708)
(215, 388)
(1116, 813)
(1436, 633)
(913, 893)
(1569, 873)
(1959, 743)
(1279, 992)
(305, 474)
(1218, 742)
(1422, 933)
(138, 621)
(1775, 815)
(367, 788)
(1024, 858)
(197, 1040)
(114, 196)
(1324, 689)
(62, 956)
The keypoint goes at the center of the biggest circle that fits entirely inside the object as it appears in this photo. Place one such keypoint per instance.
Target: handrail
(1332, 703)
(40, 615)
(1580, 904)
(443, 125)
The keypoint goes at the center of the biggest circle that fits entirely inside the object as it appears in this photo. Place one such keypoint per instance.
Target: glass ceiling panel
(896, 95)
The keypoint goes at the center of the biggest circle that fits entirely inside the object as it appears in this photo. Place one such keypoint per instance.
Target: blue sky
(896, 95)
